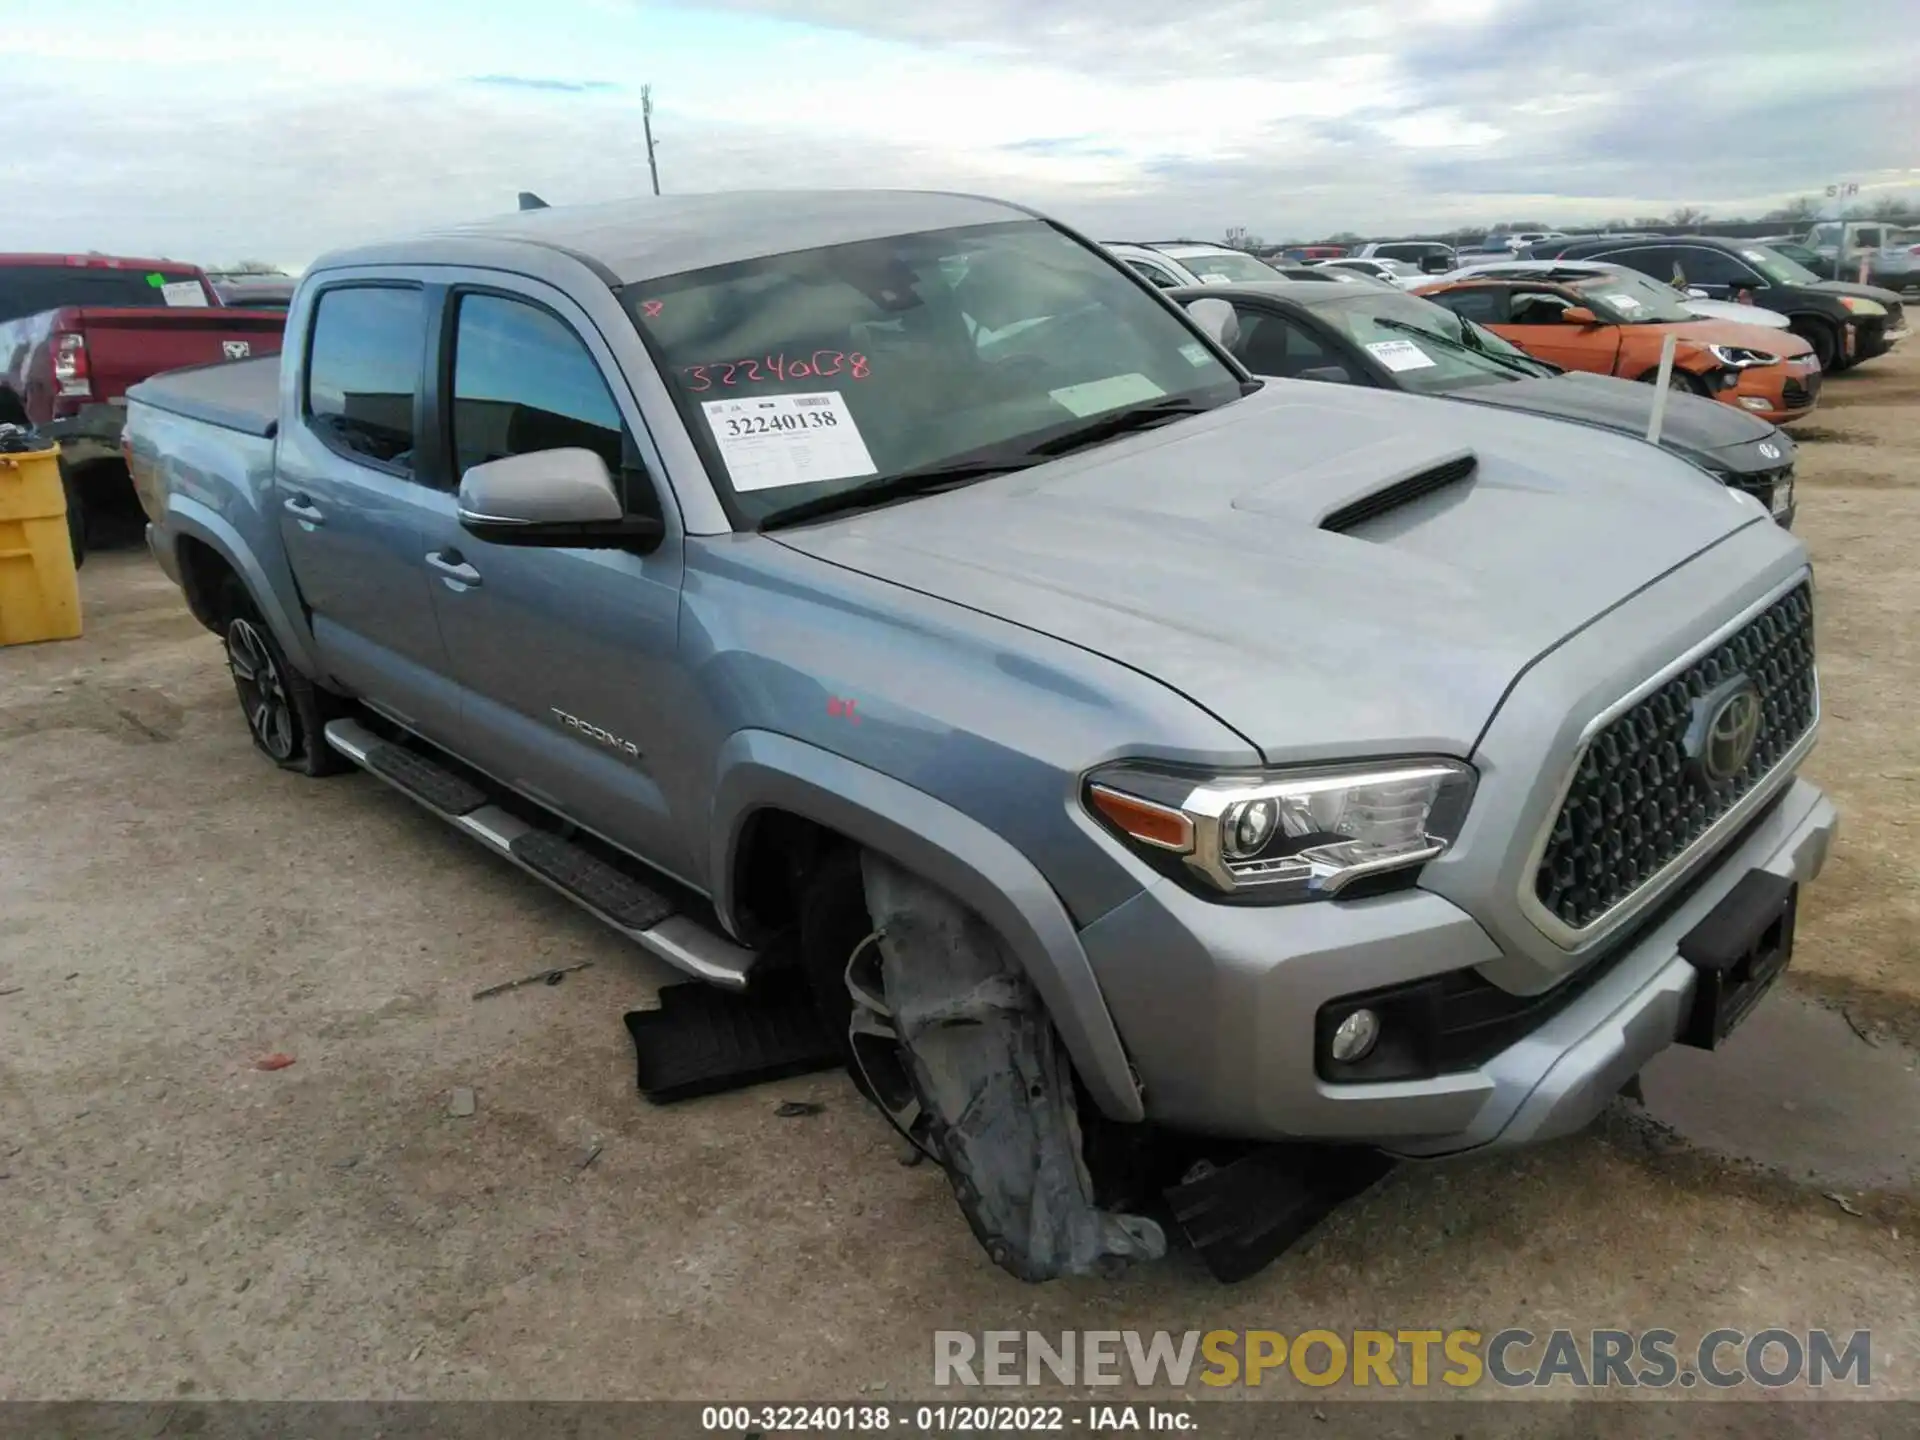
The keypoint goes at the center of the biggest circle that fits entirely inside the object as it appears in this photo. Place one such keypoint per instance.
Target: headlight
(1860, 305)
(1286, 835)
(1739, 357)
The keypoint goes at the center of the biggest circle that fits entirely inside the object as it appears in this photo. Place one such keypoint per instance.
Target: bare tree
(249, 267)
(1802, 210)
(1687, 217)
(1238, 237)
(1890, 207)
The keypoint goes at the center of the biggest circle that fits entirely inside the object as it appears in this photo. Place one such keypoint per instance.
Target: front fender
(758, 769)
(272, 589)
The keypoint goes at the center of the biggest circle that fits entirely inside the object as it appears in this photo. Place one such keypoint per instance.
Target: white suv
(1189, 262)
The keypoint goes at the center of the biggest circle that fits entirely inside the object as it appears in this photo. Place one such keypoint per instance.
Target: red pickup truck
(77, 330)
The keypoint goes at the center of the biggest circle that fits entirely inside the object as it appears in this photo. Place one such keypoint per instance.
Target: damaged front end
(956, 1048)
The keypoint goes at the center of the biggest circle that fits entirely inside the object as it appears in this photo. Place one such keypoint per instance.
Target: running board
(627, 904)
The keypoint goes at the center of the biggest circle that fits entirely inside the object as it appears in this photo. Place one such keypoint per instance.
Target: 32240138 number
(821, 365)
(769, 424)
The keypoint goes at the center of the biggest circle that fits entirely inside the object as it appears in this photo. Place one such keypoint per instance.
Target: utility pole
(646, 122)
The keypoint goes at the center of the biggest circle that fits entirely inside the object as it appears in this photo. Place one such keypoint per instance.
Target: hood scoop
(1402, 490)
(1354, 484)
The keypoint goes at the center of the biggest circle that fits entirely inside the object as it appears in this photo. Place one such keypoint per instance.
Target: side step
(625, 902)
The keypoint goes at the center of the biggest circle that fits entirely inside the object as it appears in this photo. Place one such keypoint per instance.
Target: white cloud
(207, 130)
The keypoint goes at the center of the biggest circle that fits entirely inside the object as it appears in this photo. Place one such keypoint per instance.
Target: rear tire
(76, 516)
(284, 711)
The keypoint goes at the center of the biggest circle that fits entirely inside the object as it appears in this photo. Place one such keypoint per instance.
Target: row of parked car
(1579, 333)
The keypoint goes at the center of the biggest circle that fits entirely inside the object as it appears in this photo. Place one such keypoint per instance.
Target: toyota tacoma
(895, 593)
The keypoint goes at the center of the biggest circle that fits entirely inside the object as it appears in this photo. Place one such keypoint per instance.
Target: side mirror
(550, 497)
(1332, 374)
(1578, 315)
(1216, 317)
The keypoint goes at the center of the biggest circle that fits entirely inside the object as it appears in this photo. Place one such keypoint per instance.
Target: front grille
(1636, 802)
(1797, 394)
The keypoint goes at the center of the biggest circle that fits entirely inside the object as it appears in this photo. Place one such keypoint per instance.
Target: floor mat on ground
(704, 1040)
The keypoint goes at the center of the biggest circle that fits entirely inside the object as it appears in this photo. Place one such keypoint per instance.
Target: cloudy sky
(220, 130)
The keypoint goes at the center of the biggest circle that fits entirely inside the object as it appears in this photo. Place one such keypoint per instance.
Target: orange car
(1614, 325)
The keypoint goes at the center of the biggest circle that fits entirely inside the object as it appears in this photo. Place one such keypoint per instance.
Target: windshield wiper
(1119, 422)
(1519, 367)
(922, 481)
(948, 474)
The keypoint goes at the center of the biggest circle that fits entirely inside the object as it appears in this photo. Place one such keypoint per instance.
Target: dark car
(1845, 323)
(1388, 339)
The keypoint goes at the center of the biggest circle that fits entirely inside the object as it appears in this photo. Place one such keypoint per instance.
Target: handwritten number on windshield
(821, 365)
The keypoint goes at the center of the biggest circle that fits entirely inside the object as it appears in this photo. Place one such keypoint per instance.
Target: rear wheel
(76, 516)
(285, 712)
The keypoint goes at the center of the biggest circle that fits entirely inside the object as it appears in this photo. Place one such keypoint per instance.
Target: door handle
(449, 564)
(305, 510)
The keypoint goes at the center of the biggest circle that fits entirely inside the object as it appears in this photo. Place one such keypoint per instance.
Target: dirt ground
(174, 1221)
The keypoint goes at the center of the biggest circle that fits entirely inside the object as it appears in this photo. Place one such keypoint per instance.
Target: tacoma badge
(595, 733)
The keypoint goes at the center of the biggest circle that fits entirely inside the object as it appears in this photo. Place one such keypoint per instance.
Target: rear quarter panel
(200, 483)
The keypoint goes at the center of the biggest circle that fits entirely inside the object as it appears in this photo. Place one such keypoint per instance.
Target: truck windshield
(809, 374)
(29, 289)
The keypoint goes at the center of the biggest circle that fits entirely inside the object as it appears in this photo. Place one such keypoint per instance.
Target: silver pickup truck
(892, 590)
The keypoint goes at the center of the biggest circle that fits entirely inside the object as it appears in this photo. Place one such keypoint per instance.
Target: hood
(1701, 331)
(1740, 314)
(1890, 298)
(1194, 554)
(1694, 427)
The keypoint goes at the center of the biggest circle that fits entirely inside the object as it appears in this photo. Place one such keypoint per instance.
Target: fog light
(1756, 402)
(1355, 1036)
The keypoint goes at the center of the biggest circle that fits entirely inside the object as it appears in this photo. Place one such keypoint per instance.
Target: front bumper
(1229, 1049)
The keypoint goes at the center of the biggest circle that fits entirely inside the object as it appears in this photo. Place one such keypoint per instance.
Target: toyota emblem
(1724, 730)
(1770, 450)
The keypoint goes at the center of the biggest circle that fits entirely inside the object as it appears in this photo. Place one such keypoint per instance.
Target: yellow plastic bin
(39, 592)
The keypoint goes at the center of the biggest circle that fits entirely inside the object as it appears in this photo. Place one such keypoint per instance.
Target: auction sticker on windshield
(1097, 396)
(183, 292)
(1621, 302)
(1398, 355)
(774, 441)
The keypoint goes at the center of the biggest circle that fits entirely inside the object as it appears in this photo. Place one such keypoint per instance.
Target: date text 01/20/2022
(941, 1419)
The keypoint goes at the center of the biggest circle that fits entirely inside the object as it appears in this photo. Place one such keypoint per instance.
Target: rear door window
(1484, 305)
(363, 372)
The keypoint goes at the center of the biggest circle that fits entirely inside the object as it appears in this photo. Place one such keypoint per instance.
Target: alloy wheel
(879, 1054)
(263, 694)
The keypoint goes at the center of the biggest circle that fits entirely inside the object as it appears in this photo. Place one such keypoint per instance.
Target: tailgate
(125, 347)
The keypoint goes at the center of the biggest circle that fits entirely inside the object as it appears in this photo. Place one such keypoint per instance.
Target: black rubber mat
(619, 897)
(704, 1040)
(1241, 1216)
(417, 775)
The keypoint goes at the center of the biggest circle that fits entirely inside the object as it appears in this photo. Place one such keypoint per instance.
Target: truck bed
(242, 395)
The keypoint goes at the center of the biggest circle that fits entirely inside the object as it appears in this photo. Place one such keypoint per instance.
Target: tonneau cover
(241, 395)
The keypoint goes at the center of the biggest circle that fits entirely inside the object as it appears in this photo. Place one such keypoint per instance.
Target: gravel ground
(177, 1221)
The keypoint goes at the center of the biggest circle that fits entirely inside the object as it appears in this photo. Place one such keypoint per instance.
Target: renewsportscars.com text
(1459, 1359)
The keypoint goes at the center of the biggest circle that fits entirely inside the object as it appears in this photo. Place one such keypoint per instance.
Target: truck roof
(652, 236)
